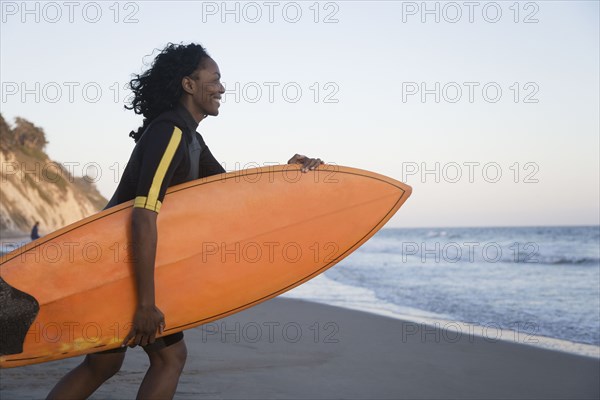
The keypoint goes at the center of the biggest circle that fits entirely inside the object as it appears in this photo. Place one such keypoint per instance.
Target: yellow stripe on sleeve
(142, 202)
(161, 171)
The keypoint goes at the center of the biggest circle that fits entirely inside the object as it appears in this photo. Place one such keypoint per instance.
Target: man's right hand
(147, 322)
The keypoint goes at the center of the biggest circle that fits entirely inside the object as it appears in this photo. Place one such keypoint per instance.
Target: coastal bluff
(35, 188)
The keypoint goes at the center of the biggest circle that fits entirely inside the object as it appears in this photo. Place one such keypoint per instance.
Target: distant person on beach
(179, 90)
(34, 231)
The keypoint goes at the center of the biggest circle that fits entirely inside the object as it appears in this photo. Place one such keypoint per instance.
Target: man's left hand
(307, 163)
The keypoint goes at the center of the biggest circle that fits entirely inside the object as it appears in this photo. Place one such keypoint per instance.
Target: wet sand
(294, 349)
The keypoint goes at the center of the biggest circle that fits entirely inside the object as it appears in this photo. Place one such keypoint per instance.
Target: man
(180, 89)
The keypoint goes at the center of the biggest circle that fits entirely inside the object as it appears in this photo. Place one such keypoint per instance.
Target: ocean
(534, 285)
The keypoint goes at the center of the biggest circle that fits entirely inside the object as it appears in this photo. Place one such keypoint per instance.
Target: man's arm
(148, 319)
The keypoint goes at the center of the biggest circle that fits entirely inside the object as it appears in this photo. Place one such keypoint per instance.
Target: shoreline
(488, 333)
(366, 301)
(288, 348)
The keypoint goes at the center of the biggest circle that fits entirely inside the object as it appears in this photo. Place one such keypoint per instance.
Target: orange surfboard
(225, 243)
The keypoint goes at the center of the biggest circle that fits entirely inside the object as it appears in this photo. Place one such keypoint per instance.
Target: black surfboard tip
(17, 312)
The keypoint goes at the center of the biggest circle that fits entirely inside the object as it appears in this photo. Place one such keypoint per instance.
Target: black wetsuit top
(169, 152)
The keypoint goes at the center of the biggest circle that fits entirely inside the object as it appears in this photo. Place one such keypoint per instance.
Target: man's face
(207, 88)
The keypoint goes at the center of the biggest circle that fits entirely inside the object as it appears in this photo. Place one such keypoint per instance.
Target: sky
(489, 110)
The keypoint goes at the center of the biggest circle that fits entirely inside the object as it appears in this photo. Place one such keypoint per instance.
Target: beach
(295, 349)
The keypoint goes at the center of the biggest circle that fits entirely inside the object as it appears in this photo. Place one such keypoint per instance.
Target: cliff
(35, 188)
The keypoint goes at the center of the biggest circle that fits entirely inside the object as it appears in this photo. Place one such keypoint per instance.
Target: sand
(294, 349)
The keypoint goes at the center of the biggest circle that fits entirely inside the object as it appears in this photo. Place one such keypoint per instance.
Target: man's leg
(82, 381)
(167, 360)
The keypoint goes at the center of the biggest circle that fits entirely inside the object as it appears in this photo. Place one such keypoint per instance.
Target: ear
(187, 84)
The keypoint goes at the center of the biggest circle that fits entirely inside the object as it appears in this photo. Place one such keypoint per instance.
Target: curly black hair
(159, 88)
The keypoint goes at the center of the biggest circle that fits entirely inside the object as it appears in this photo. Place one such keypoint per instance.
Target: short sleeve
(162, 154)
